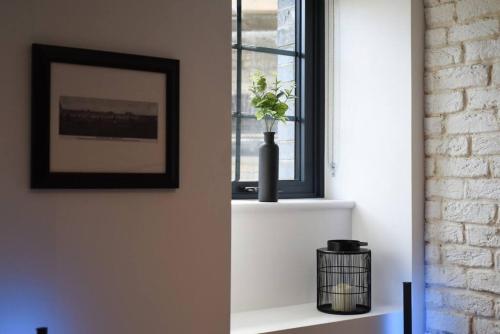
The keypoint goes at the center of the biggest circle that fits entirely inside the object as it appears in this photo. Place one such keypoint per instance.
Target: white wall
(273, 255)
(378, 116)
(107, 262)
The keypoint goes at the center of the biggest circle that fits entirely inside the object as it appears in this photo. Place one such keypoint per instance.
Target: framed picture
(103, 119)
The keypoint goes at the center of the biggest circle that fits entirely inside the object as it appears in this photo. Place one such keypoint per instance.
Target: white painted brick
(428, 3)
(457, 77)
(486, 144)
(483, 98)
(469, 212)
(433, 126)
(486, 236)
(432, 253)
(486, 326)
(453, 189)
(444, 103)
(451, 323)
(469, 9)
(473, 30)
(454, 146)
(495, 76)
(444, 56)
(433, 298)
(444, 232)
(468, 302)
(446, 275)
(483, 188)
(432, 3)
(466, 256)
(472, 122)
(484, 280)
(497, 266)
(462, 167)
(482, 50)
(435, 37)
(430, 167)
(433, 209)
(495, 167)
(440, 15)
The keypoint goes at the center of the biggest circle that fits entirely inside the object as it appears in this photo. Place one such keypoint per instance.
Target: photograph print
(103, 119)
(107, 118)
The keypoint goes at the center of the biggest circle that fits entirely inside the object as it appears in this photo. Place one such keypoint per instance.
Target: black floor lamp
(407, 307)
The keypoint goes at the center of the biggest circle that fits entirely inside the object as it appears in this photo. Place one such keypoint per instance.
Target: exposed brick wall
(462, 147)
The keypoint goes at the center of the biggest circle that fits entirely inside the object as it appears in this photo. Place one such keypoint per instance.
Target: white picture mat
(72, 154)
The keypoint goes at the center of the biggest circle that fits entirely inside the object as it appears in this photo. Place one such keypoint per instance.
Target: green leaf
(259, 115)
(262, 84)
(281, 107)
(255, 101)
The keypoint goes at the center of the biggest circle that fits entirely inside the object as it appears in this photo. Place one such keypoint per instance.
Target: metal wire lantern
(344, 277)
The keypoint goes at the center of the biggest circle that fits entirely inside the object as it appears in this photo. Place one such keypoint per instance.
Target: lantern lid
(345, 245)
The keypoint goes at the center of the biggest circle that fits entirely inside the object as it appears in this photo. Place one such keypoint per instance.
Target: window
(283, 38)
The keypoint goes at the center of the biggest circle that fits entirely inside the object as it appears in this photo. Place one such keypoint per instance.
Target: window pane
(233, 150)
(233, 83)
(268, 23)
(270, 65)
(233, 110)
(286, 142)
(252, 138)
(234, 20)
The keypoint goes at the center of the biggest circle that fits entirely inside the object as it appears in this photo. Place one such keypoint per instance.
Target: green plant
(270, 102)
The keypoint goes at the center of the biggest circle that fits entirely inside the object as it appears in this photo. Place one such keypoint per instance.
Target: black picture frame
(41, 175)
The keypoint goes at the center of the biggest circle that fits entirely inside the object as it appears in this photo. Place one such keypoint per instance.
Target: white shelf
(295, 316)
(291, 204)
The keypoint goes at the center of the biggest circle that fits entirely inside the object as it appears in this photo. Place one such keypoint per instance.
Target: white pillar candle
(342, 301)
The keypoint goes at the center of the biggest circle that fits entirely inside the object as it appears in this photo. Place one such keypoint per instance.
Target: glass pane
(268, 23)
(286, 142)
(233, 150)
(233, 82)
(233, 110)
(234, 20)
(252, 138)
(270, 65)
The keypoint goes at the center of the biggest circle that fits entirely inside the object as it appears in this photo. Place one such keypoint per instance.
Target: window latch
(250, 189)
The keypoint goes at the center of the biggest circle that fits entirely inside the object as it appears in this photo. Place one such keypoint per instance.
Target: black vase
(268, 169)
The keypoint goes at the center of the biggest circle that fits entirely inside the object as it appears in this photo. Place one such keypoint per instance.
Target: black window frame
(309, 115)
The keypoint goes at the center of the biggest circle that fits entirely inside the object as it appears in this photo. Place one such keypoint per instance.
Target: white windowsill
(291, 204)
(295, 316)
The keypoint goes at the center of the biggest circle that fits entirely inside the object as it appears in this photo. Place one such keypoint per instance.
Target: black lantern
(344, 277)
